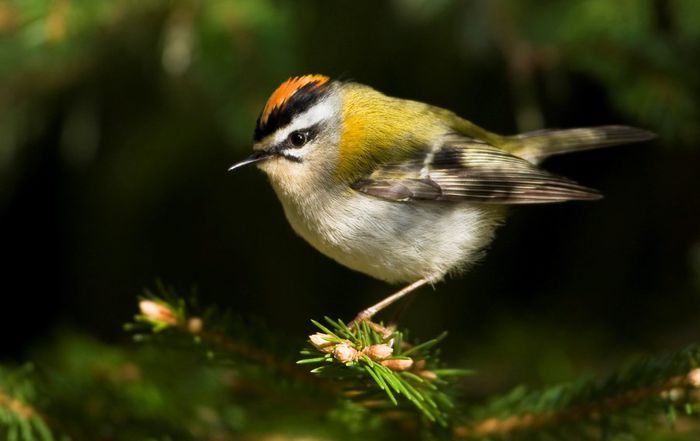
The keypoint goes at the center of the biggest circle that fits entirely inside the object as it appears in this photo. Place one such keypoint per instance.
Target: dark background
(118, 121)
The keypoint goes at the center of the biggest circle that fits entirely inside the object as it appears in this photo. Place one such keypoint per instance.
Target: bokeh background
(119, 119)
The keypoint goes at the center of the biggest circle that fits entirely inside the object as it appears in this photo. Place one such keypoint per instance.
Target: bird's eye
(298, 138)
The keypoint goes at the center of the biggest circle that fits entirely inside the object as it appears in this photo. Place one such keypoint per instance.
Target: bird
(401, 190)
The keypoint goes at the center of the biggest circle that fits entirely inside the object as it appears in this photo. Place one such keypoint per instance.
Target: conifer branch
(211, 336)
(19, 420)
(373, 381)
(370, 361)
(18, 407)
(365, 362)
(652, 387)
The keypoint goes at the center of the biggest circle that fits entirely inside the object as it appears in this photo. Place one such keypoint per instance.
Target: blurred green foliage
(209, 376)
(118, 120)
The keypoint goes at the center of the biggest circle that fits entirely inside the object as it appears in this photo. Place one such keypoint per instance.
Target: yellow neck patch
(378, 129)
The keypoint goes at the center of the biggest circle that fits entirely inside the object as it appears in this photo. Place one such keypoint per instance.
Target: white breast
(393, 241)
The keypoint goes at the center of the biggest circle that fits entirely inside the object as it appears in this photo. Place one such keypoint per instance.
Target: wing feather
(461, 169)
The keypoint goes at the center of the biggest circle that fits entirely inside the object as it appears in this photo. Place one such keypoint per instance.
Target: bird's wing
(463, 169)
(540, 144)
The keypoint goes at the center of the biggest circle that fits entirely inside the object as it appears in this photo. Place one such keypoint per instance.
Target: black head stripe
(305, 97)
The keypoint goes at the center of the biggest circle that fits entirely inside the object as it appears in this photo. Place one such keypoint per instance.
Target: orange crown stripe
(287, 89)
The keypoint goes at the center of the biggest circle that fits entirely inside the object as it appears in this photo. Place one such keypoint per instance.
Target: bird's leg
(368, 313)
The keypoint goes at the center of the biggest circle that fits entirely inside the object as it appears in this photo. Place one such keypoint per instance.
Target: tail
(538, 145)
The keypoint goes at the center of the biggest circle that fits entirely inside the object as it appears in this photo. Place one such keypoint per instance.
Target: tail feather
(538, 145)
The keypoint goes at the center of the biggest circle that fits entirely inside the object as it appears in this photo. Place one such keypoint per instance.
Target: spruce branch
(166, 319)
(379, 374)
(644, 394)
(373, 363)
(19, 420)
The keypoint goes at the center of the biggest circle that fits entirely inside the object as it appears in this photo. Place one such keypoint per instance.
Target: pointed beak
(257, 156)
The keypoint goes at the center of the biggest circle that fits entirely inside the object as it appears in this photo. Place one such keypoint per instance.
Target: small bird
(401, 190)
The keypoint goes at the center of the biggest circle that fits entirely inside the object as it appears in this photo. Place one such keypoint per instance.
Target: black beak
(257, 156)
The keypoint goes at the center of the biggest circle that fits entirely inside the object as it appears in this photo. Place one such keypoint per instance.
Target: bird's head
(318, 131)
(298, 131)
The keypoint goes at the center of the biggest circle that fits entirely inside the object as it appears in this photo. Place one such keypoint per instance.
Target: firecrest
(401, 190)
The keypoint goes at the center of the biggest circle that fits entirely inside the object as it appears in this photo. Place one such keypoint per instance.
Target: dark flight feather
(462, 169)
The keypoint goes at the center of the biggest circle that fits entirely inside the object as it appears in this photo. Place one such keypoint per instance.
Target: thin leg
(368, 313)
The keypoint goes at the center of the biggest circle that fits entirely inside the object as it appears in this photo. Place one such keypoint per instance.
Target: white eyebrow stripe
(295, 153)
(317, 113)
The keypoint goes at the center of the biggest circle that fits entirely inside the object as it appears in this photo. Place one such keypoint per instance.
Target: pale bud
(694, 377)
(385, 331)
(345, 353)
(379, 352)
(428, 375)
(398, 364)
(157, 312)
(320, 341)
(676, 394)
(195, 325)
